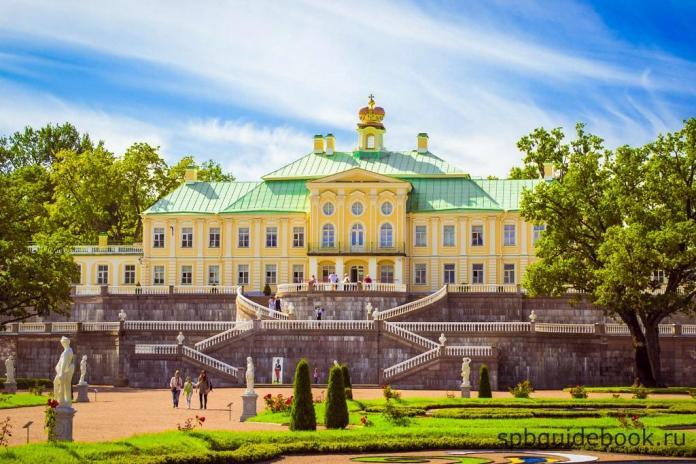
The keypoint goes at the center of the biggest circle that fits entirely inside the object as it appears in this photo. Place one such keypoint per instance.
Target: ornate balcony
(347, 249)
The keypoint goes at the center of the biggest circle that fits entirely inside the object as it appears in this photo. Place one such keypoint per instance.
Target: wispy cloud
(475, 78)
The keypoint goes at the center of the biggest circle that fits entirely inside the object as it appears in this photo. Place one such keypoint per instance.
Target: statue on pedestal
(83, 369)
(466, 372)
(249, 375)
(62, 384)
(10, 370)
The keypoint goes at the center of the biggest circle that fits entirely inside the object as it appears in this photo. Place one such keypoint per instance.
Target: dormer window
(370, 142)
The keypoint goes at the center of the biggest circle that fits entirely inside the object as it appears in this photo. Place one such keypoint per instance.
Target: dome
(371, 115)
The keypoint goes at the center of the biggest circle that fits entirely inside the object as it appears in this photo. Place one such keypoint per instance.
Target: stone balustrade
(384, 287)
(410, 363)
(105, 290)
(484, 288)
(410, 336)
(412, 306)
(253, 310)
(440, 327)
(470, 351)
(347, 325)
(174, 326)
(238, 328)
(553, 327)
(156, 349)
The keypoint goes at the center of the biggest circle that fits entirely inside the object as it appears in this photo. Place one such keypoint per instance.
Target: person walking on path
(188, 391)
(176, 383)
(204, 387)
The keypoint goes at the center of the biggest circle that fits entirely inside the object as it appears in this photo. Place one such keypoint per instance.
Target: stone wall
(342, 305)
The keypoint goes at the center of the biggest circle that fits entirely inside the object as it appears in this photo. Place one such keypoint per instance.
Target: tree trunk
(646, 348)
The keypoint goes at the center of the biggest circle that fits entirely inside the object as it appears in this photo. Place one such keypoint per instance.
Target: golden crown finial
(371, 115)
(371, 101)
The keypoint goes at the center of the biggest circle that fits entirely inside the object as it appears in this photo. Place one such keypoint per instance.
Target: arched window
(357, 235)
(370, 142)
(328, 236)
(386, 236)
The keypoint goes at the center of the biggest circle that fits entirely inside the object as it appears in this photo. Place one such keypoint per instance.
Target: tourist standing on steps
(204, 387)
(188, 391)
(176, 383)
(271, 304)
(278, 304)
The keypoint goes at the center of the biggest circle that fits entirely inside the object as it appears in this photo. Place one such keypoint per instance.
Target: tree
(620, 227)
(528, 171)
(208, 171)
(302, 415)
(33, 281)
(346, 381)
(336, 413)
(484, 383)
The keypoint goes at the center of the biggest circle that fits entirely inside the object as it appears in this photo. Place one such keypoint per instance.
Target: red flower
(288, 401)
(52, 403)
(634, 417)
(202, 419)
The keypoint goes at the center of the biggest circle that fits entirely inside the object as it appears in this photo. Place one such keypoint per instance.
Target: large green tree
(620, 227)
(33, 280)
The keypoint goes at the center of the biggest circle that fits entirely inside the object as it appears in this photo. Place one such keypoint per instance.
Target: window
(536, 233)
(243, 274)
(658, 276)
(243, 237)
(129, 274)
(509, 274)
(158, 237)
(357, 235)
(448, 274)
(158, 275)
(357, 208)
(78, 277)
(328, 209)
(419, 277)
(421, 236)
(298, 237)
(477, 235)
(509, 236)
(386, 236)
(387, 208)
(386, 274)
(186, 275)
(271, 237)
(186, 237)
(477, 273)
(448, 236)
(214, 237)
(271, 274)
(103, 274)
(214, 274)
(370, 142)
(328, 236)
(326, 271)
(297, 273)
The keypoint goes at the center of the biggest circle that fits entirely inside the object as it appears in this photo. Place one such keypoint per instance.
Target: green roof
(277, 196)
(390, 163)
(201, 197)
(431, 195)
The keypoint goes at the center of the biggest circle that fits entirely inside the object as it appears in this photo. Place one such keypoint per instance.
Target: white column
(372, 232)
(200, 239)
(313, 266)
(399, 270)
(227, 272)
(89, 268)
(257, 269)
(115, 273)
(492, 259)
(372, 267)
(463, 250)
(339, 268)
(434, 261)
(171, 233)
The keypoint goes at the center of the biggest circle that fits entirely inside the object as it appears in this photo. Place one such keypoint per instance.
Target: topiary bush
(302, 416)
(484, 383)
(522, 389)
(346, 381)
(267, 289)
(336, 414)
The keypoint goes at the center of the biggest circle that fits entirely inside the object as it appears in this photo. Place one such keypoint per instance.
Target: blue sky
(248, 84)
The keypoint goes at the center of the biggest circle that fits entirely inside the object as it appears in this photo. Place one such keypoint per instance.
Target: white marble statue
(62, 384)
(466, 372)
(10, 370)
(442, 339)
(368, 309)
(83, 369)
(532, 316)
(335, 363)
(180, 338)
(122, 316)
(249, 374)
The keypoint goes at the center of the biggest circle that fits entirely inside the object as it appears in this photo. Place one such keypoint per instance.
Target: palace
(407, 219)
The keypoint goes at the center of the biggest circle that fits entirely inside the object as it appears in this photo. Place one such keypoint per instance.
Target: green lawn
(434, 424)
(20, 400)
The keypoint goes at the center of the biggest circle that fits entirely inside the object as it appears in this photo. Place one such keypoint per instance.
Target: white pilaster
(399, 270)
(313, 266)
(339, 268)
(492, 260)
(372, 267)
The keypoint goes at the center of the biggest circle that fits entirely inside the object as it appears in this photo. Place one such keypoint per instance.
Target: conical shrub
(484, 383)
(336, 414)
(346, 381)
(302, 416)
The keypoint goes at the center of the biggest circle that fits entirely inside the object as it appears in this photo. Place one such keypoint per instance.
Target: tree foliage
(484, 383)
(336, 412)
(302, 415)
(613, 220)
(346, 381)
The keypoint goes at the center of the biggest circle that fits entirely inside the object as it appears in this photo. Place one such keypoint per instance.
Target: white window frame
(509, 274)
(478, 274)
(243, 237)
(186, 270)
(386, 235)
(216, 274)
(158, 237)
(158, 276)
(298, 237)
(242, 274)
(271, 236)
(187, 237)
(449, 240)
(420, 274)
(102, 274)
(328, 236)
(129, 274)
(509, 235)
(297, 273)
(420, 230)
(214, 237)
(477, 235)
(271, 273)
(449, 273)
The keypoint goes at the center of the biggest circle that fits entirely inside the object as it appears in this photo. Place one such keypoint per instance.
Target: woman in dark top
(204, 387)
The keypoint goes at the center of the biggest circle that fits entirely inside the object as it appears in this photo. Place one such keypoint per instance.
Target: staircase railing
(209, 361)
(239, 328)
(410, 363)
(410, 336)
(412, 306)
(255, 310)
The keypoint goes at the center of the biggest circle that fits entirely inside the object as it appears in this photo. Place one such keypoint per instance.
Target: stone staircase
(240, 330)
(248, 310)
(411, 307)
(190, 355)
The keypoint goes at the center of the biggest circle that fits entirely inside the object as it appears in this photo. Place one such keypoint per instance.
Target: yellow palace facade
(406, 219)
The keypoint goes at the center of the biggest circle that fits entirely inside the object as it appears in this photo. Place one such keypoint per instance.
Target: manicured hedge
(336, 414)
(302, 416)
(484, 383)
(24, 383)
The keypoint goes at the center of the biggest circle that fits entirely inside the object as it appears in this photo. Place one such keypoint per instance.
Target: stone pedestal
(248, 406)
(466, 392)
(10, 387)
(64, 423)
(82, 396)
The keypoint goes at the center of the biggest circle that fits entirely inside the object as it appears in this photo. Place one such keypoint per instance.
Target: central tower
(370, 128)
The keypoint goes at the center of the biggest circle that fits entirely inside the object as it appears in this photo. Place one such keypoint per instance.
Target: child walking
(188, 391)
